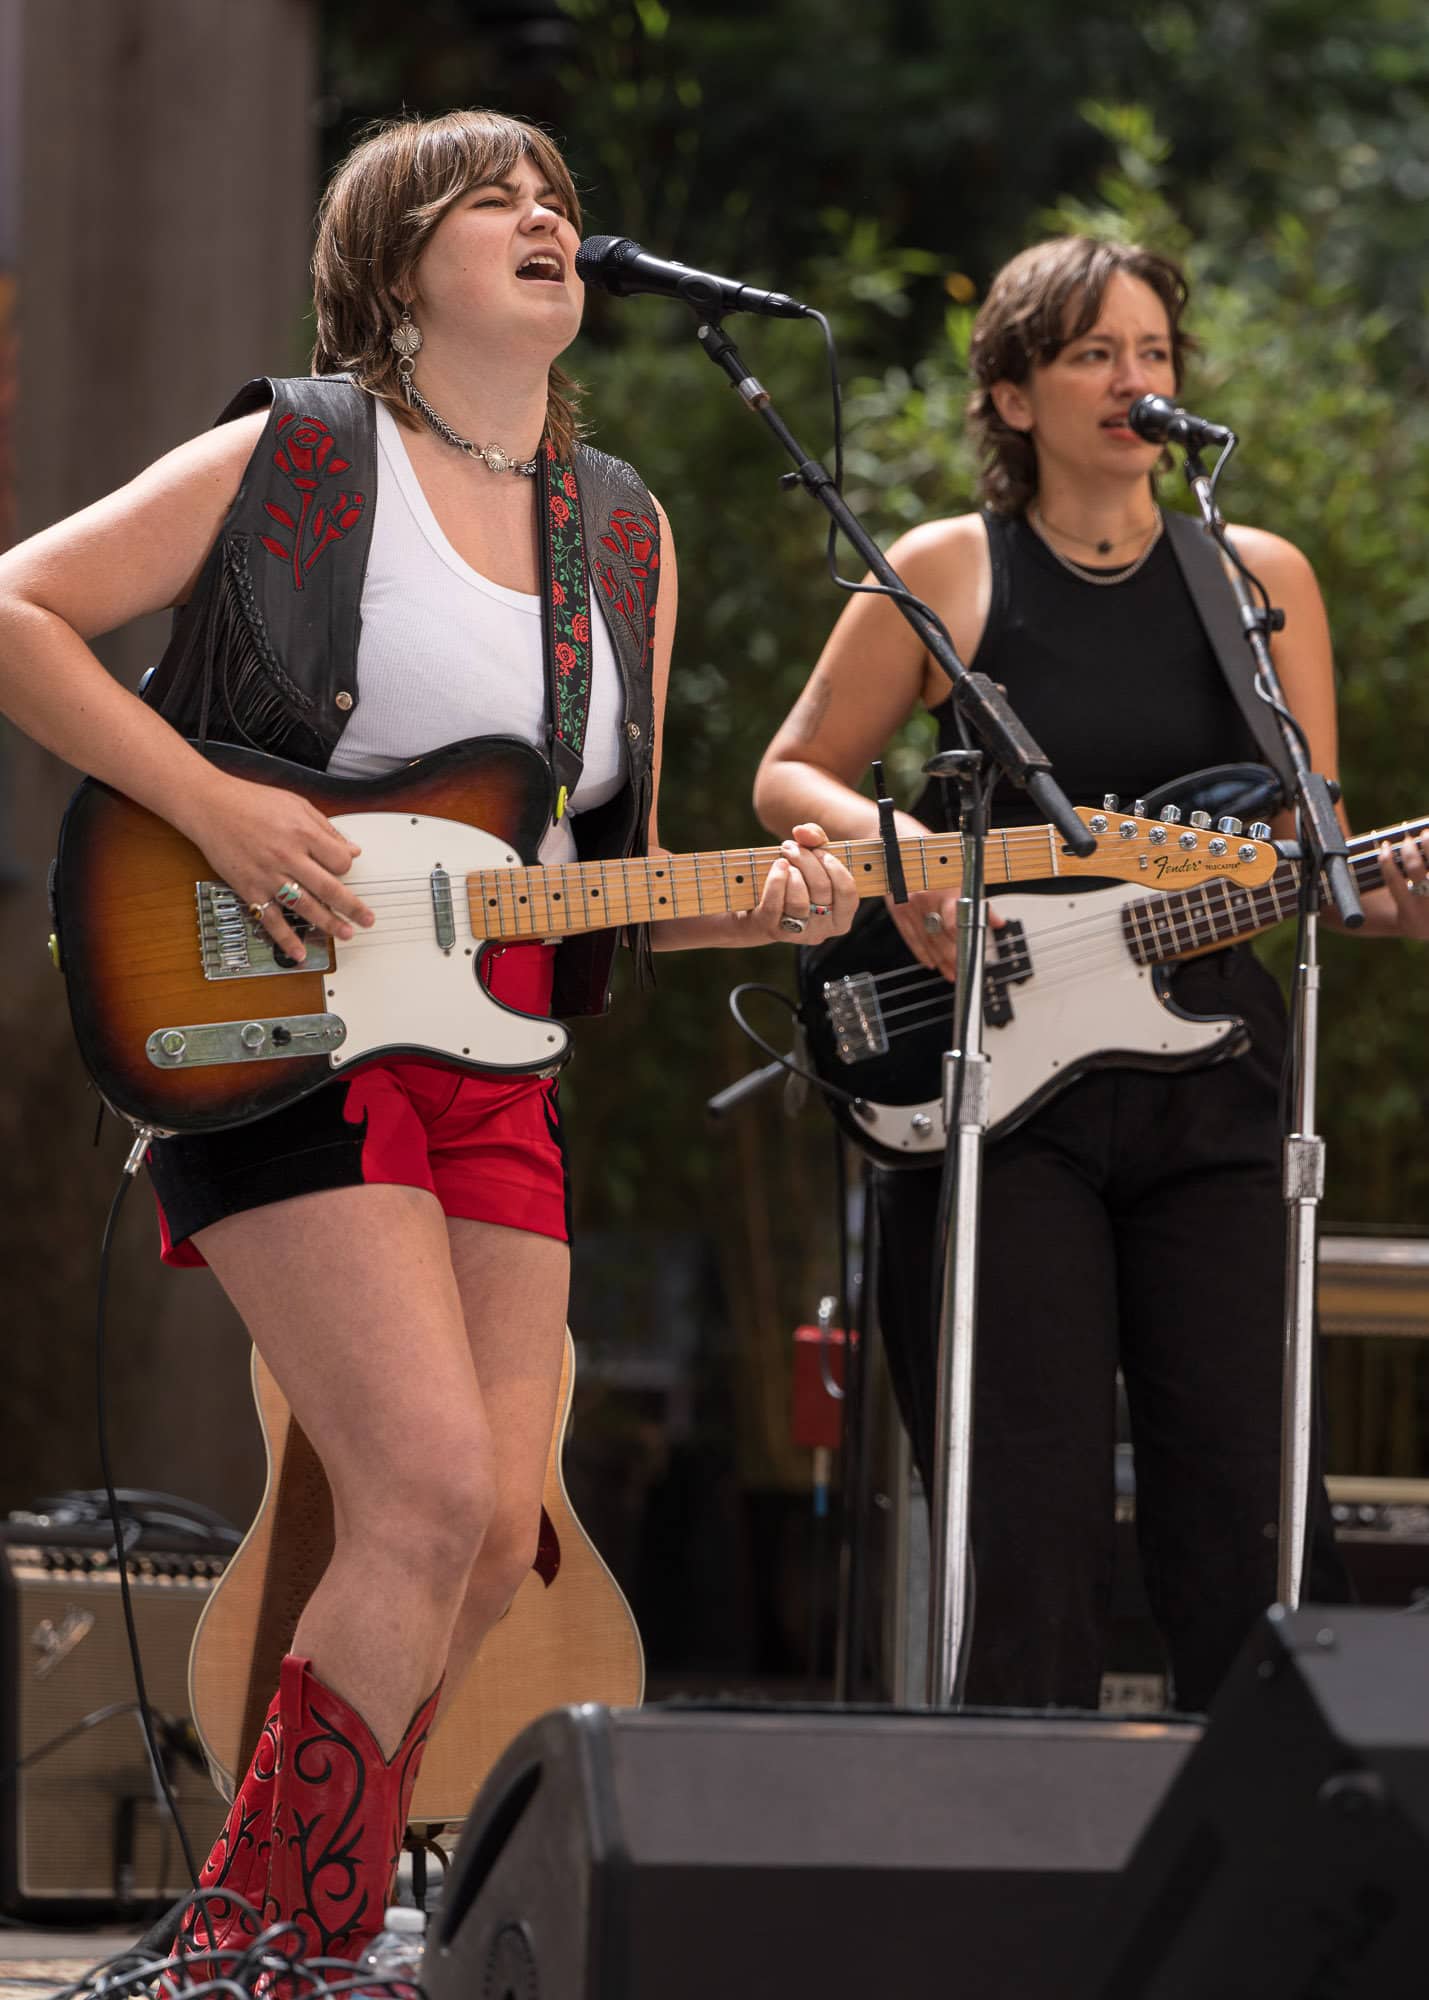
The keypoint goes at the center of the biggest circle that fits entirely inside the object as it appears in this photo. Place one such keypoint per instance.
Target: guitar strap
(565, 622)
(1204, 570)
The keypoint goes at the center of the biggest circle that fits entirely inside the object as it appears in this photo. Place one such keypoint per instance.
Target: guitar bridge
(233, 946)
(856, 1017)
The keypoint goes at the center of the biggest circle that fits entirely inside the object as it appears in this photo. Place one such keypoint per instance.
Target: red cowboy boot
(338, 1818)
(238, 1864)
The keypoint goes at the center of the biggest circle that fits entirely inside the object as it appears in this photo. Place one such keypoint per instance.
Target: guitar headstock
(1167, 853)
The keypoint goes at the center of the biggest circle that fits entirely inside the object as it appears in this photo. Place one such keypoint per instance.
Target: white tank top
(446, 653)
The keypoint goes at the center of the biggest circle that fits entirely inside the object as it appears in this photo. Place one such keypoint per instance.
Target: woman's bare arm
(140, 549)
(1304, 660)
(870, 677)
(823, 882)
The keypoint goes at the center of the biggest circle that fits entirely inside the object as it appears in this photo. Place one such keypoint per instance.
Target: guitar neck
(1159, 929)
(563, 898)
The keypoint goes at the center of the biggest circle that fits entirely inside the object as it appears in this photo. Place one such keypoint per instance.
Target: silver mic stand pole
(966, 1096)
(1322, 848)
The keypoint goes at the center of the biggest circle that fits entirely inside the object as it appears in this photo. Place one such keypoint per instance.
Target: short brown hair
(377, 217)
(1046, 297)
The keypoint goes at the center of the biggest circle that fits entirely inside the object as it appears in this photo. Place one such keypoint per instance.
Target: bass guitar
(1074, 983)
(188, 1017)
(568, 1636)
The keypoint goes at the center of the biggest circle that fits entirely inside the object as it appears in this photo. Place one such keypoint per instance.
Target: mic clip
(1263, 618)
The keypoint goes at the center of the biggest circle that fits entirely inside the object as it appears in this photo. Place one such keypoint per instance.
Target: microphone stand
(984, 710)
(1323, 855)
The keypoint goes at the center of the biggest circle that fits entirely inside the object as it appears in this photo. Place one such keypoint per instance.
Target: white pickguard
(1087, 997)
(393, 986)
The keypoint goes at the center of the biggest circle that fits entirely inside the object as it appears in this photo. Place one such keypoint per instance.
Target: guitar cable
(146, 1715)
(855, 1104)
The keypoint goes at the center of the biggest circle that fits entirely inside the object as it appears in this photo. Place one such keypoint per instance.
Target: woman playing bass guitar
(1135, 1220)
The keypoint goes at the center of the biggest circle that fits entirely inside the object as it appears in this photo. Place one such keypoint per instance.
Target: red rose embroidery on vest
(634, 536)
(307, 456)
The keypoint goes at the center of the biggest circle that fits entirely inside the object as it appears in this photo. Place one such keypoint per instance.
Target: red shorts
(488, 1148)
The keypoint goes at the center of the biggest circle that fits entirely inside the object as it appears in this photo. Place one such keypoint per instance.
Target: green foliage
(882, 163)
(1295, 359)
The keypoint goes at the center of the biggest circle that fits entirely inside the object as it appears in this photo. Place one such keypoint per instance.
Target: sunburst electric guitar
(189, 1019)
(568, 1637)
(1074, 983)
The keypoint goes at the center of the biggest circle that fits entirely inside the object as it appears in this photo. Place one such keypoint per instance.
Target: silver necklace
(1082, 571)
(491, 455)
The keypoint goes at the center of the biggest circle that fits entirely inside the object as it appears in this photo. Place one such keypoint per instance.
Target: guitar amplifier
(82, 1830)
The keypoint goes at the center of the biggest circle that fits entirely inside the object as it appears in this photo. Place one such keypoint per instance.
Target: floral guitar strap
(565, 623)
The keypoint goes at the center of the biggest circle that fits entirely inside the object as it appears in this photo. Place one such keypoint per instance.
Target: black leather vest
(265, 651)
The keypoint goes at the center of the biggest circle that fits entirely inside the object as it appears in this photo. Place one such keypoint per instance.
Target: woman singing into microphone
(1136, 1221)
(358, 557)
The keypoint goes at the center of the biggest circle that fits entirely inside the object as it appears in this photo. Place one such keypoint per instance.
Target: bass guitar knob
(1230, 824)
(1171, 815)
(1258, 830)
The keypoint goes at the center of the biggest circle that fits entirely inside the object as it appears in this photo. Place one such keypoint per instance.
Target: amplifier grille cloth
(91, 1803)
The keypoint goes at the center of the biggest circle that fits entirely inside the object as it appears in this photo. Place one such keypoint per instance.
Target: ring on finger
(1420, 888)
(255, 910)
(791, 923)
(932, 923)
(818, 909)
(287, 893)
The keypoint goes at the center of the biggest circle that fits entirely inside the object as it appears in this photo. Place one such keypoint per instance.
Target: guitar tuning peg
(1230, 824)
(1111, 802)
(1171, 815)
(1258, 830)
(1201, 819)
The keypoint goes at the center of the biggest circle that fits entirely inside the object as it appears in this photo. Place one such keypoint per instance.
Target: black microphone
(621, 266)
(1162, 422)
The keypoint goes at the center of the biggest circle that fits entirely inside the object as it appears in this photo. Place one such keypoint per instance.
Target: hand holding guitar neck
(928, 921)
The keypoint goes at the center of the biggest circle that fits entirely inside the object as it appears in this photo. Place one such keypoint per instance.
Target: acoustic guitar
(188, 1018)
(568, 1636)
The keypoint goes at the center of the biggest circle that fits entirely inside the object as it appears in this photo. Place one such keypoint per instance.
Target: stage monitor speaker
(81, 1833)
(769, 1853)
(1290, 1859)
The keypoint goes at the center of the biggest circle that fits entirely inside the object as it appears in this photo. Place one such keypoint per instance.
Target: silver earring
(405, 340)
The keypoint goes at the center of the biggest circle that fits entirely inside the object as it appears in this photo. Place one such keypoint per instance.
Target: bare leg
(351, 1298)
(514, 1288)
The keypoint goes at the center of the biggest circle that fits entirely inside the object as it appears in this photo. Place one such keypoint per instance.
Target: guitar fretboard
(561, 898)
(1158, 929)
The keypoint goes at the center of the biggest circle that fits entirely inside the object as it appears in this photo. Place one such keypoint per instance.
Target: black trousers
(1136, 1221)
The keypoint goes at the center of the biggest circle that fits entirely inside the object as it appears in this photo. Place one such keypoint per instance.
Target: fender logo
(55, 1642)
(1198, 864)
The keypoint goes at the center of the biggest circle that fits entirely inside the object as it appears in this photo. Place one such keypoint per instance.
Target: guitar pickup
(233, 946)
(1010, 965)
(1014, 960)
(856, 1017)
(443, 914)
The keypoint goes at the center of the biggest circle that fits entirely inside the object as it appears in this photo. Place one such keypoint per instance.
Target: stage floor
(36, 1962)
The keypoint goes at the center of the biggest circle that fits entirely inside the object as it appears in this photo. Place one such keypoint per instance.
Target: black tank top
(1117, 683)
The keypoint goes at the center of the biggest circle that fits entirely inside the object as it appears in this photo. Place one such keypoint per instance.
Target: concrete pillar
(157, 185)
